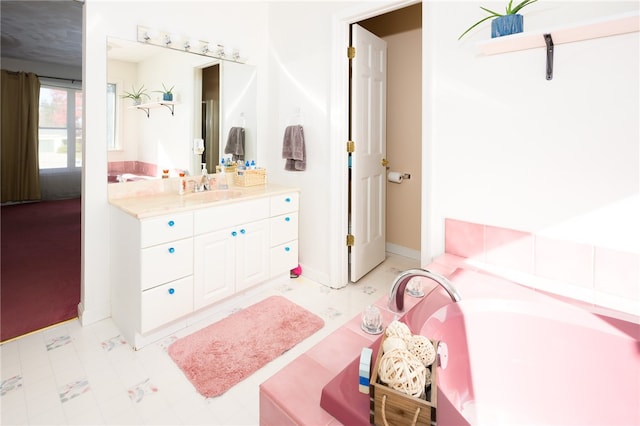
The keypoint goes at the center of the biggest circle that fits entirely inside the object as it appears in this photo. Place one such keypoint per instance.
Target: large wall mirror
(213, 101)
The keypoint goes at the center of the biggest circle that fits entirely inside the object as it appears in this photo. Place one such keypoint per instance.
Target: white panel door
(368, 131)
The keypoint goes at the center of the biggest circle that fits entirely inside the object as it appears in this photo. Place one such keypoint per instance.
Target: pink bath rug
(219, 356)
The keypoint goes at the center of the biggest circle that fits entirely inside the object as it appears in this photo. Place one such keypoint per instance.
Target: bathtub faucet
(396, 294)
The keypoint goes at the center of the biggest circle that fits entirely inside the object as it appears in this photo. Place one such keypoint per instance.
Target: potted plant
(503, 24)
(167, 94)
(136, 94)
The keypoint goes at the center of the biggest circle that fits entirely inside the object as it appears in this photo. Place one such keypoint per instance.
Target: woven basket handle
(384, 415)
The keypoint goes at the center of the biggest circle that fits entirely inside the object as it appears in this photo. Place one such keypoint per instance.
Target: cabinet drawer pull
(243, 231)
(234, 234)
(287, 249)
(287, 219)
(172, 250)
(172, 290)
(171, 223)
(287, 200)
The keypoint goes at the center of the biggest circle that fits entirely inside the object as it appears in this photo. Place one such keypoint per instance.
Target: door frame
(338, 174)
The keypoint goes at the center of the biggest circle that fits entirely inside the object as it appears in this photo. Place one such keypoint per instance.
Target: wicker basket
(227, 169)
(251, 177)
(390, 407)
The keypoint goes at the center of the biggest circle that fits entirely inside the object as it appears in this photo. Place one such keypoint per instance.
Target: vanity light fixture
(204, 47)
(177, 42)
(166, 40)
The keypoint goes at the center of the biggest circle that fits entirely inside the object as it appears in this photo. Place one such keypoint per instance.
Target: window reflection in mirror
(112, 140)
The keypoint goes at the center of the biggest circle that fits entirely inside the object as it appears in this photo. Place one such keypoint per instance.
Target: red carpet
(222, 354)
(40, 265)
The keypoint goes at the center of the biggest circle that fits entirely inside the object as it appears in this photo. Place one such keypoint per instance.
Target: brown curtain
(19, 104)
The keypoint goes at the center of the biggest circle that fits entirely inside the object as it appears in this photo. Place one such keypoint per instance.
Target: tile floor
(70, 375)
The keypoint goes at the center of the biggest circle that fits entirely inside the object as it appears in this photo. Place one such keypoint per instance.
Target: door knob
(384, 162)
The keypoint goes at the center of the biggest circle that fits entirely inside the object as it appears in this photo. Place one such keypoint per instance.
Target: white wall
(510, 148)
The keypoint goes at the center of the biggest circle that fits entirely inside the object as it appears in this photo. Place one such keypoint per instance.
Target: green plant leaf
(521, 5)
(491, 12)
(508, 8)
(475, 25)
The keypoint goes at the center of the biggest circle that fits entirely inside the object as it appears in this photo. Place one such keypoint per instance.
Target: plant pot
(167, 97)
(137, 101)
(507, 24)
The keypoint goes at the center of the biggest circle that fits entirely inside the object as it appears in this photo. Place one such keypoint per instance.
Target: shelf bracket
(549, 41)
(169, 107)
(146, 110)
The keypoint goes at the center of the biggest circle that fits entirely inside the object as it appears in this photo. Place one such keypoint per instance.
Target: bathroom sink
(215, 195)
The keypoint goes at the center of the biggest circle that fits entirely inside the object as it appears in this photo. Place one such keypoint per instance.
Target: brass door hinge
(351, 240)
(351, 52)
(351, 146)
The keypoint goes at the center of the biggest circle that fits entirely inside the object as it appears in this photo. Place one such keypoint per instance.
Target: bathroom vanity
(173, 256)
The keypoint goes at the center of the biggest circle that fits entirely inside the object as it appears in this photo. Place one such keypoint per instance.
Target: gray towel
(293, 149)
(235, 143)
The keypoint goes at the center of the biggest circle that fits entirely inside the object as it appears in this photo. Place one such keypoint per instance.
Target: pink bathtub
(530, 359)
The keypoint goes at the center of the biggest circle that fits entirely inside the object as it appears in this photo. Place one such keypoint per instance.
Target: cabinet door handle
(287, 219)
(287, 249)
(287, 200)
(171, 223)
(172, 250)
(172, 290)
(234, 233)
(243, 231)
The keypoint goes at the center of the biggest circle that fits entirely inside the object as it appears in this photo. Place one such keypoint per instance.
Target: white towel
(293, 149)
(235, 143)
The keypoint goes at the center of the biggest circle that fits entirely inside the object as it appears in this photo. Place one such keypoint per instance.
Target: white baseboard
(402, 251)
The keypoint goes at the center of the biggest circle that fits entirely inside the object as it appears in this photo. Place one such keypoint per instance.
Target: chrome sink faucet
(396, 294)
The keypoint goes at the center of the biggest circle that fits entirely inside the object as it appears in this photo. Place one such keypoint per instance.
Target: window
(60, 121)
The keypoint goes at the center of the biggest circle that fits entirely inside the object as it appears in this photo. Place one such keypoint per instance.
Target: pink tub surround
(516, 356)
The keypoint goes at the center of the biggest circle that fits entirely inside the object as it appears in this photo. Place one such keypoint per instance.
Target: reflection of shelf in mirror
(150, 105)
(608, 26)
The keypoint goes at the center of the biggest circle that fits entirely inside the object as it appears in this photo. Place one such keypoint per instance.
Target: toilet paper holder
(397, 177)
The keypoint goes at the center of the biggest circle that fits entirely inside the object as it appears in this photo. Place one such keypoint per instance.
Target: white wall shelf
(150, 105)
(603, 27)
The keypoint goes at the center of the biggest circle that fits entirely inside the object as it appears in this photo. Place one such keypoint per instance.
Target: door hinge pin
(350, 240)
(351, 52)
(351, 147)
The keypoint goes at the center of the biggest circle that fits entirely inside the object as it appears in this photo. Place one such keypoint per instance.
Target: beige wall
(402, 30)
(404, 139)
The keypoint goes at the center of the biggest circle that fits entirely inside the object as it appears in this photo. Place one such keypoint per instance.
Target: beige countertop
(141, 202)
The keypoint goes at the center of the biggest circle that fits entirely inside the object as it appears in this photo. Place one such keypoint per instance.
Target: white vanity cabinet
(151, 271)
(166, 266)
(231, 249)
(283, 223)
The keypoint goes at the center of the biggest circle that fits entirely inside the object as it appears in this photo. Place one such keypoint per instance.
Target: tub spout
(396, 294)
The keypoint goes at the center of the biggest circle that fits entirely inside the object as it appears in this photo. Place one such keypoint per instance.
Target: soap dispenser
(205, 177)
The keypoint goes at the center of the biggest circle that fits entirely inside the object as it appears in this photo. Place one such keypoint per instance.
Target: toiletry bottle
(222, 180)
(183, 184)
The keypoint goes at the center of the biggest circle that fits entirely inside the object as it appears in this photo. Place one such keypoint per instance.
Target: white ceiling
(42, 31)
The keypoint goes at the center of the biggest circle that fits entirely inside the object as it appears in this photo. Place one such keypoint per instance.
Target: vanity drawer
(284, 203)
(166, 303)
(165, 228)
(166, 262)
(228, 215)
(284, 228)
(284, 258)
